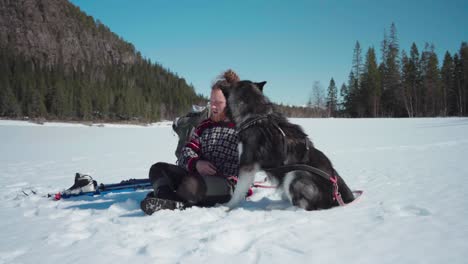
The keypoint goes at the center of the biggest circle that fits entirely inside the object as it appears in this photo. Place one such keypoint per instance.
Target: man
(207, 168)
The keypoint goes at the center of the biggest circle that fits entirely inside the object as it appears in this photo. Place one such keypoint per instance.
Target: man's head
(217, 98)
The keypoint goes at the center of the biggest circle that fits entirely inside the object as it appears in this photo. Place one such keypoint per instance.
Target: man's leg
(166, 179)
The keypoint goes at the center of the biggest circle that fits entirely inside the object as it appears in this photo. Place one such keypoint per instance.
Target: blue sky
(289, 44)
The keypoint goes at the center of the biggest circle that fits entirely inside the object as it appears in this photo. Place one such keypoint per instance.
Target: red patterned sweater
(215, 142)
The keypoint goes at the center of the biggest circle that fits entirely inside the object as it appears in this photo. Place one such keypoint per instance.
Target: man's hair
(226, 78)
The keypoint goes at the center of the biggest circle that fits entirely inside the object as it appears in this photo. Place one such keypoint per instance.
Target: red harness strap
(234, 180)
(260, 185)
(336, 192)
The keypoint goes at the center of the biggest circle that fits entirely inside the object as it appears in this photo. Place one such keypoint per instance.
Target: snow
(413, 173)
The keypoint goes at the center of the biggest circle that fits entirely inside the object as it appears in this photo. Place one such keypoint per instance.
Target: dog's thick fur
(262, 147)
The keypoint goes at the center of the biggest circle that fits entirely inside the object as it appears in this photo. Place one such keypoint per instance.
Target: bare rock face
(57, 32)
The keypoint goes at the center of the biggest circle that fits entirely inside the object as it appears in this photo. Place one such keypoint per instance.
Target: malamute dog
(267, 140)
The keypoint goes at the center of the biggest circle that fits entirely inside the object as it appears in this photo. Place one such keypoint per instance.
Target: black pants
(175, 183)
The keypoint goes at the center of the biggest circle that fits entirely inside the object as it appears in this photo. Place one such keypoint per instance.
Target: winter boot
(83, 183)
(151, 204)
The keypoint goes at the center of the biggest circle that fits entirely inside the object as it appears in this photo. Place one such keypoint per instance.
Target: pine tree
(431, 81)
(357, 62)
(58, 100)
(353, 104)
(9, 106)
(448, 87)
(342, 101)
(83, 102)
(406, 85)
(464, 78)
(391, 76)
(332, 100)
(351, 99)
(8, 103)
(414, 80)
(371, 86)
(458, 80)
(34, 103)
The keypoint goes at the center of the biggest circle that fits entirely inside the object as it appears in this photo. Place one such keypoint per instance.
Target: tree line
(143, 91)
(402, 84)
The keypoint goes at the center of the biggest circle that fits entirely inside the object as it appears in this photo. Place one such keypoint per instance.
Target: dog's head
(245, 98)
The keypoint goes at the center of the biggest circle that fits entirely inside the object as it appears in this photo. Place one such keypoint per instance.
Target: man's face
(218, 105)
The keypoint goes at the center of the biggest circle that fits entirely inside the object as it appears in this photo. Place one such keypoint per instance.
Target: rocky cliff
(57, 32)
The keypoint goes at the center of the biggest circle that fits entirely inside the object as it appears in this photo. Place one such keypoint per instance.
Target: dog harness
(257, 120)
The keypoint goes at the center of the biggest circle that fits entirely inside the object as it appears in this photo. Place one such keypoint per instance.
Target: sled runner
(357, 196)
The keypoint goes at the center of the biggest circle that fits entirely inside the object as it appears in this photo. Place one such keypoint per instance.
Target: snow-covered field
(414, 173)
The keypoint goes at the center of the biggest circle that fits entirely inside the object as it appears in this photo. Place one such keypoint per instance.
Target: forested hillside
(56, 62)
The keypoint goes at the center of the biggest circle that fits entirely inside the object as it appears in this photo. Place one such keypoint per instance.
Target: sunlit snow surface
(414, 173)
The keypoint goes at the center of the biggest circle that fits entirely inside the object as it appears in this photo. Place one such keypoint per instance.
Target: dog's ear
(260, 85)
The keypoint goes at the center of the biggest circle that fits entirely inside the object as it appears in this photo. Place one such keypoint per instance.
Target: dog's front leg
(246, 179)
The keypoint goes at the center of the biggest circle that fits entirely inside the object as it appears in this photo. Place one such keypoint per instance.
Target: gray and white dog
(267, 140)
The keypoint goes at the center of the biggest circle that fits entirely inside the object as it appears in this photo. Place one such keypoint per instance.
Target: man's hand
(205, 168)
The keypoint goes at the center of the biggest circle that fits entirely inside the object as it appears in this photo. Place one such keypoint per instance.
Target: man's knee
(156, 171)
(192, 189)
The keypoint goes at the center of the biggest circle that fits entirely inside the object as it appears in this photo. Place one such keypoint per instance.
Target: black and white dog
(267, 140)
